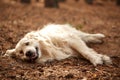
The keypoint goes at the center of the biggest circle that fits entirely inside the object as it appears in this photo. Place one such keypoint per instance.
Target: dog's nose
(29, 53)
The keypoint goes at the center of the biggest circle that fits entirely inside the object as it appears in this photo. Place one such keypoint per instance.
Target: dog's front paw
(9, 53)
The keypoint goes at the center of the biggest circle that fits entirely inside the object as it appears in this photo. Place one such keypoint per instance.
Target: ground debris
(18, 19)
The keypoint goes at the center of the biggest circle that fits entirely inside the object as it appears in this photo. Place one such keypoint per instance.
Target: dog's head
(26, 49)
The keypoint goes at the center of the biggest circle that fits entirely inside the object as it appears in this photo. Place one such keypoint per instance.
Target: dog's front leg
(9, 53)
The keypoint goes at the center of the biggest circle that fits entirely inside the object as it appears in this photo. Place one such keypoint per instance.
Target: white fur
(60, 42)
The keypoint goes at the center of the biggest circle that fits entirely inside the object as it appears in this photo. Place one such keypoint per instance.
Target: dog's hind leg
(88, 53)
(92, 38)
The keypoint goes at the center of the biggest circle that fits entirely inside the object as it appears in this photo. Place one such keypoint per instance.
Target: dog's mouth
(34, 57)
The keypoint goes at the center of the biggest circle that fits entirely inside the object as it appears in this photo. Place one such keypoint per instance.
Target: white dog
(57, 42)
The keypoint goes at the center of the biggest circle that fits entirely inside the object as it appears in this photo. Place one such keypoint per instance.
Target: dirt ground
(17, 19)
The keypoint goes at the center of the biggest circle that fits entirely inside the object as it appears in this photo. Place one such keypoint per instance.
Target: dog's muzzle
(32, 55)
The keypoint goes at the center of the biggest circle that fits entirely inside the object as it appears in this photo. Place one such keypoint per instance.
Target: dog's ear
(10, 53)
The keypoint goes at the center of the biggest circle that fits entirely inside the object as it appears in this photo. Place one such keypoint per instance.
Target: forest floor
(17, 19)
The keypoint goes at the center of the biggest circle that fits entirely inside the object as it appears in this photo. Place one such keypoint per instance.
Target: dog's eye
(27, 43)
(21, 52)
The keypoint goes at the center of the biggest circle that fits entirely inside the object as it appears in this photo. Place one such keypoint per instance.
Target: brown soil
(17, 19)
